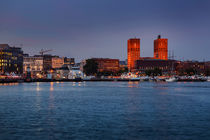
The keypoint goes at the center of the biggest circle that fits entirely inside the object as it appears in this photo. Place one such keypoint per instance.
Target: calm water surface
(105, 110)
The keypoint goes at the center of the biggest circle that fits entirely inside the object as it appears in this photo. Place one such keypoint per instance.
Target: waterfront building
(75, 72)
(82, 64)
(53, 62)
(167, 66)
(133, 52)
(69, 61)
(47, 62)
(123, 65)
(207, 68)
(107, 64)
(66, 72)
(61, 73)
(173, 66)
(57, 62)
(34, 65)
(11, 59)
(161, 48)
(194, 67)
(207, 65)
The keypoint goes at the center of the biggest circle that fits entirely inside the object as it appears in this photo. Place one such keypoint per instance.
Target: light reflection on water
(51, 86)
(37, 87)
(133, 84)
(8, 84)
(105, 110)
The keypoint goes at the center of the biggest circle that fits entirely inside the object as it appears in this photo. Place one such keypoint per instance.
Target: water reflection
(51, 86)
(38, 87)
(133, 84)
(51, 109)
(132, 106)
(38, 98)
(178, 89)
(8, 84)
(74, 84)
(105, 110)
(51, 97)
(161, 85)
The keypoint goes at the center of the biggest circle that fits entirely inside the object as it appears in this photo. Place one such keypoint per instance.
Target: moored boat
(171, 79)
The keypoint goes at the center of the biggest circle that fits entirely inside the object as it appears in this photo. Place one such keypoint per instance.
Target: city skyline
(82, 29)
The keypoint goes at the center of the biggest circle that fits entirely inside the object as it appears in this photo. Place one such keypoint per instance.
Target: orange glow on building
(133, 52)
(57, 62)
(161, 48)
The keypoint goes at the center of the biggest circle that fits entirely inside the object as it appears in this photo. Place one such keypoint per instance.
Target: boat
(144, 78)
(194, 78)
(159, 79)
(135, 79)
(171, 79)
(152, 79)
(88, 78)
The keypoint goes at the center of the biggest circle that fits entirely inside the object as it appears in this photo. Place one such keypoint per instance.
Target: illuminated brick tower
(133, 52)
(161, 48)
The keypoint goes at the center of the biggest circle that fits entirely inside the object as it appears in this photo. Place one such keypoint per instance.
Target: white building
(75, 72)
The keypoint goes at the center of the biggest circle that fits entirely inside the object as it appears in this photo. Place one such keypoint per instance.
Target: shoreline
(89, 80)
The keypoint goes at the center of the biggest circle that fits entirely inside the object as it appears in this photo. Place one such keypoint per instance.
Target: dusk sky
(100, 28)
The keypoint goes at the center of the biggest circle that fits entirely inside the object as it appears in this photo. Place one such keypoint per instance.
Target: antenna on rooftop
(169, 54)
(173, 55)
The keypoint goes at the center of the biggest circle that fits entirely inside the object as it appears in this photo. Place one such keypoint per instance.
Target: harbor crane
(42, 51)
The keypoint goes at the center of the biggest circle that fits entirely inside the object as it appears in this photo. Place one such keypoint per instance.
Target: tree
(207, 72)
(148, 72)
(181, 72)
(122, 70)
(154, 72)
(157, 72)
(191, 71)
(91, 67)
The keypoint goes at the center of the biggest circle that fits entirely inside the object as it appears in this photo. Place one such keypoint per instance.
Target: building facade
(47, 62)
(82, 64)
(192, 66)
(11, 59)
(150, 64)
(133, 52)
(61, 73)
(57, 62)
(107, 64)
(69, 61)
(34, 65)
(161, 48)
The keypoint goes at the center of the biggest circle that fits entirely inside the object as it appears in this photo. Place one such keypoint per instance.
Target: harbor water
(105, 110)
